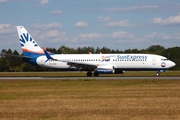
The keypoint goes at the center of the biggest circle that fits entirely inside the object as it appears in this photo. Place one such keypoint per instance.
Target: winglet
(47, 55)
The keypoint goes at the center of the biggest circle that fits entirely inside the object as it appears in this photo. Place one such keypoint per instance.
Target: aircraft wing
(81, 65)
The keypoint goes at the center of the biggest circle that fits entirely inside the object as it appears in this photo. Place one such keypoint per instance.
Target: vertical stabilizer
(28, 44)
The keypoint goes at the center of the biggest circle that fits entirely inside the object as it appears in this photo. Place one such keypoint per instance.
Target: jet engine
(105, 69)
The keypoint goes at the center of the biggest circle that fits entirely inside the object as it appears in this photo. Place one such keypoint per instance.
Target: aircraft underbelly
(132, 65)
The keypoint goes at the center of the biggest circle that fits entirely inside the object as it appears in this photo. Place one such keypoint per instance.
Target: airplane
(99, 63)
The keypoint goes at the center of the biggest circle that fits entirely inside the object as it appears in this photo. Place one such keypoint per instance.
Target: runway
(89, 78)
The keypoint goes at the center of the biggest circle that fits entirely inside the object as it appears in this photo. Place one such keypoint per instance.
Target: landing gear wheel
(96, 74)
(89, 74)
(157, 74)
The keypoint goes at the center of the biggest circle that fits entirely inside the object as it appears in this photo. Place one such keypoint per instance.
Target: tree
(53, 50)
(128, 51)
(86, 50)
(156, 49)
(15, 62)
(65, 50)
(98, 50)
(135, 51)
(3, 65)
(79, 50)
(105, 50)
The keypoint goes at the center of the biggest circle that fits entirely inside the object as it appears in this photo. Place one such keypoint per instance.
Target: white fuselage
(118, 61)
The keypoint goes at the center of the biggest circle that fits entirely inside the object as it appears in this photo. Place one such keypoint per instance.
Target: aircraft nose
(172, 64)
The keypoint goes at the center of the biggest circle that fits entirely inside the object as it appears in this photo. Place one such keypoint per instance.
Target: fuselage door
(153, 60)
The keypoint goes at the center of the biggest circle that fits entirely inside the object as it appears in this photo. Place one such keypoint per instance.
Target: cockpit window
(164, 59)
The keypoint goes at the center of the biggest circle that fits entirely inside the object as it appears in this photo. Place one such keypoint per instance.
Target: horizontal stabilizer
(24, 58)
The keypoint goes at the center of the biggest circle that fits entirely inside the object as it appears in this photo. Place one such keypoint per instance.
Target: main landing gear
(89, 74)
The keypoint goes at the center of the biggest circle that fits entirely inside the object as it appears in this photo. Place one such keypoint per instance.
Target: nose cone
(171, 64)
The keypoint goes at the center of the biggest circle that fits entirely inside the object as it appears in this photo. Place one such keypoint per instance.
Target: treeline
(8, 62)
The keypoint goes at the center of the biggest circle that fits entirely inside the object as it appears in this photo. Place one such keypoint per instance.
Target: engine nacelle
(105, 69)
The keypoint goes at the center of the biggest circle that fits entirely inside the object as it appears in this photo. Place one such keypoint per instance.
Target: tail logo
(27, 38)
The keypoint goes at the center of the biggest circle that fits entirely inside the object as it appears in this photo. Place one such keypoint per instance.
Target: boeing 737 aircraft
(99, 63)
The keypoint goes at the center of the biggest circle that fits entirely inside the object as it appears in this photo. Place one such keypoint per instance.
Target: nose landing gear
(159, 71)
(157, 74)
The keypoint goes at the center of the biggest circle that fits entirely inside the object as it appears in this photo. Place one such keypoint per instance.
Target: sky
(115, 24)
